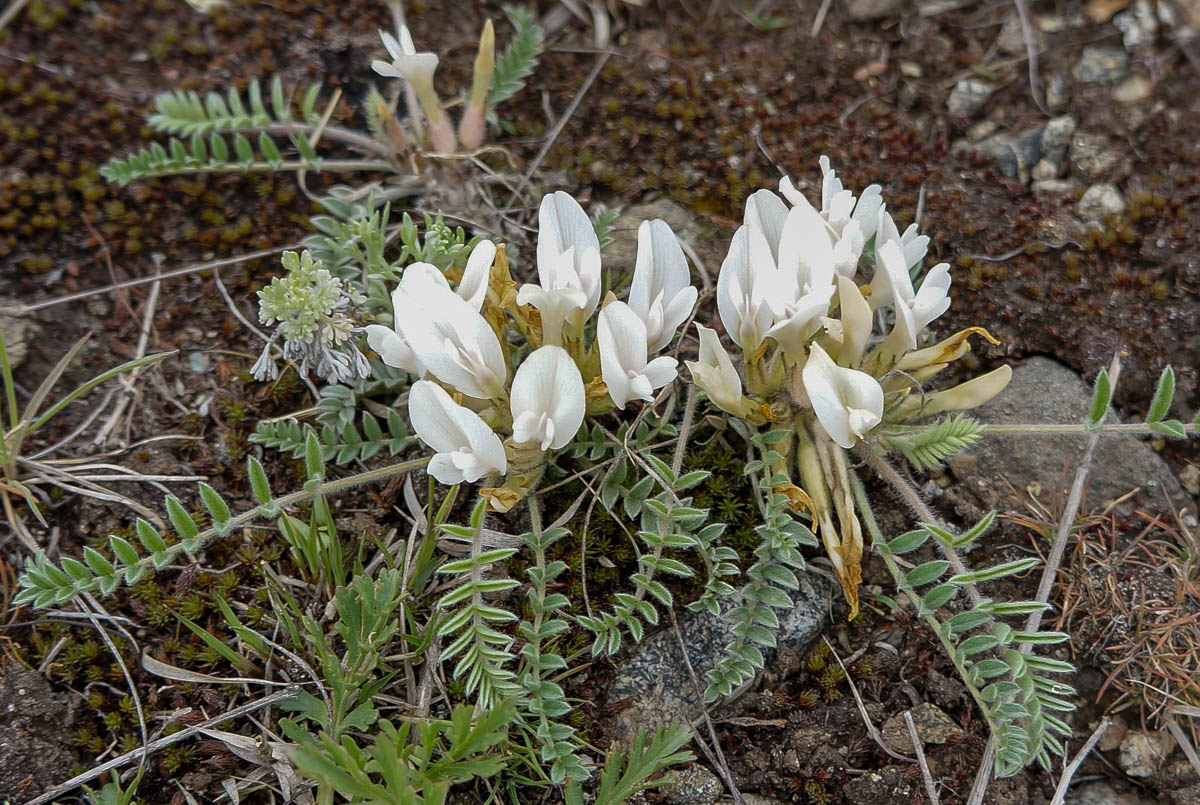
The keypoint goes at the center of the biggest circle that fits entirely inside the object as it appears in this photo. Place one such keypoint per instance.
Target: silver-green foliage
(204, 124)
(366, 626)
(1015, 691)
(340, 445)
(544, 701)
(927, 446)
(481, 649)
(771, 575)
(668, 523)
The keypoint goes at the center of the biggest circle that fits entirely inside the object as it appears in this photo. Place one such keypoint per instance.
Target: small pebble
(1133, 89)
(1100, 200)
(1101, 65)
(968, 97)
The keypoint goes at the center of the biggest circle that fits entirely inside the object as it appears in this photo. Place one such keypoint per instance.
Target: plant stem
(302, 496)
(913, 499)
(1142, 428)
(877, 538)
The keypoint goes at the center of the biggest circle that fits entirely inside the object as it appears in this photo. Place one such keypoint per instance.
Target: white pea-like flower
(742, 289)
(547, 399)
(802, 286)
(848, 403)
(568, 263)
(715, 373)
(449, 337)
(914, 311)
(661, 294)
(418, 69)
(623, 365)
(913, 246)
(465, 448)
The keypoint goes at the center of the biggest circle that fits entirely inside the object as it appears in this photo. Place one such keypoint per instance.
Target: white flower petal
(661, 371)
(466, 447)
(847, 402)
(547, 398)
(562, 225)
(452, 340)
(392, 349)
(474, 285)
(660, 293)
(622, 340)
(715, 373)
(767, 213)
(805, 250)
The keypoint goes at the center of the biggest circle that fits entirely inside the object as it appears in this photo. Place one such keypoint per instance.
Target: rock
(1011, 38)
(968, 96)
(1190, 476)
(1099, 201)
(866, 10)
(34, 749)
(694, 785)
(1094, 159)
(1014, 155)
(16, 331)
(1139, 25)
(981, 130)
(1134, 89)
(1056, 138)
(755, 799)
(889, 785)
(1185, 796)
(1142, 752)
(1044, 170)
(1053, 187)
(1113, 735)
(1099, 64)
(655, 681)
(1103, 793)
(932, 724)
(1056, 92)
(1045, 391)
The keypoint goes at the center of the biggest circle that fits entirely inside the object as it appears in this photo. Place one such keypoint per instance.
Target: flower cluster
(311, 308)
(456, 339)
(418, 68)
(832, 359)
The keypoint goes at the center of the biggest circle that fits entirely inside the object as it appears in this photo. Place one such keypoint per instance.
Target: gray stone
(16, 331)
(1100, 201)
(1011, 38)
(866, 10)
(969, 96)
(1056, 138)
(1053, 187)
(1139, 25)
(655, 682)
(1014, 155)
(1094, 159)
(1134, 89)
(1043, 391)
(1142, 753)
(1045, 169)
(1103, 793)
(694, 785)
(931, 722)
(35, 750)
(1099, 64)
(1056, 92)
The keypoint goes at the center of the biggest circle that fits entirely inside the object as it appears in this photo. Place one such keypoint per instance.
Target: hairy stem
(914, 499)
